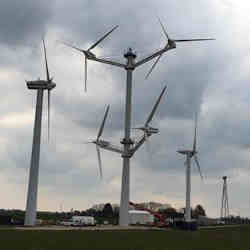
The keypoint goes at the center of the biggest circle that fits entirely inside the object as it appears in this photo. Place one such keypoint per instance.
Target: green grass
(235, 238)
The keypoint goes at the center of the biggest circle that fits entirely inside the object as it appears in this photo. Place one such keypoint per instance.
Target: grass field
(235, 238)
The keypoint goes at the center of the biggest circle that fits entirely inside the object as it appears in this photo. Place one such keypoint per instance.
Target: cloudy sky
(211, 78)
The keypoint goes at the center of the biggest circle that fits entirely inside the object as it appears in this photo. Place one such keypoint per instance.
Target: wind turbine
(147, 129)
(189, 155)
(171, 43)
(40, 86)
(88, 54)
(129, 146)
(101, 143)
(104, 144)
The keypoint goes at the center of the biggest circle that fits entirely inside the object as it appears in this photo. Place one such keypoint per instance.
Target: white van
(80, 221)
(83, 221)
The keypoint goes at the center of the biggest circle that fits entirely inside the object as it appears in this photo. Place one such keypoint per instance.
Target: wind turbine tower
(189, 155)
(39, 86)
(129, 146)
(224, 213)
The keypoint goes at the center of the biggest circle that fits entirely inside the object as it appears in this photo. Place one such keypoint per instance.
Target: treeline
(107, 214)
(17, 216)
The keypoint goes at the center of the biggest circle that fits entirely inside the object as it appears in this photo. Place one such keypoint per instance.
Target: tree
(199, 211)
(107, 210)
(91, 212)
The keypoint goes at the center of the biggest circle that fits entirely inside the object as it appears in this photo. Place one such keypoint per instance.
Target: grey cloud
(23, 22)
(195, 75)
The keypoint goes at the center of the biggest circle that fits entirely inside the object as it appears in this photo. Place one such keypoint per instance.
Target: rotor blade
(155, 107)
(88, 142)
(156, 61)
(146, 135)
(103, 123)
(85, 75)
(95, 44)
(163, 28)
(48, 114)
(46, 63)
(149, 150)
(73, 47)
(193, 40)
(138, 128)
(99, 160)
(195, 132)
(198, 166)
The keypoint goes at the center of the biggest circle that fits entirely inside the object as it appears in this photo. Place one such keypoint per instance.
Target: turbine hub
(184, 152)
(171, 44)
(89, 54)
(51, 85)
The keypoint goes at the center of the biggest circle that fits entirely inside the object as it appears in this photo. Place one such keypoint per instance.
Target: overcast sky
(210, 77)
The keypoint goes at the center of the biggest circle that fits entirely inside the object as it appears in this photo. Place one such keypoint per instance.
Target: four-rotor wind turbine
(40, 86)
(129, 146)
(189, 155)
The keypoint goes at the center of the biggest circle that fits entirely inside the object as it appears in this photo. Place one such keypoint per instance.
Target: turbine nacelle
(187, 152)
(149, 130)
(102, 143)
(40, 84)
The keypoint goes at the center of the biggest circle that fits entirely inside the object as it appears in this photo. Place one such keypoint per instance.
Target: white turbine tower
(189, 154)
(129, 146)
(40, 86)
(224, 213)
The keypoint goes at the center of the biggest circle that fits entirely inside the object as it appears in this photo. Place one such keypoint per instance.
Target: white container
(140, 217)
